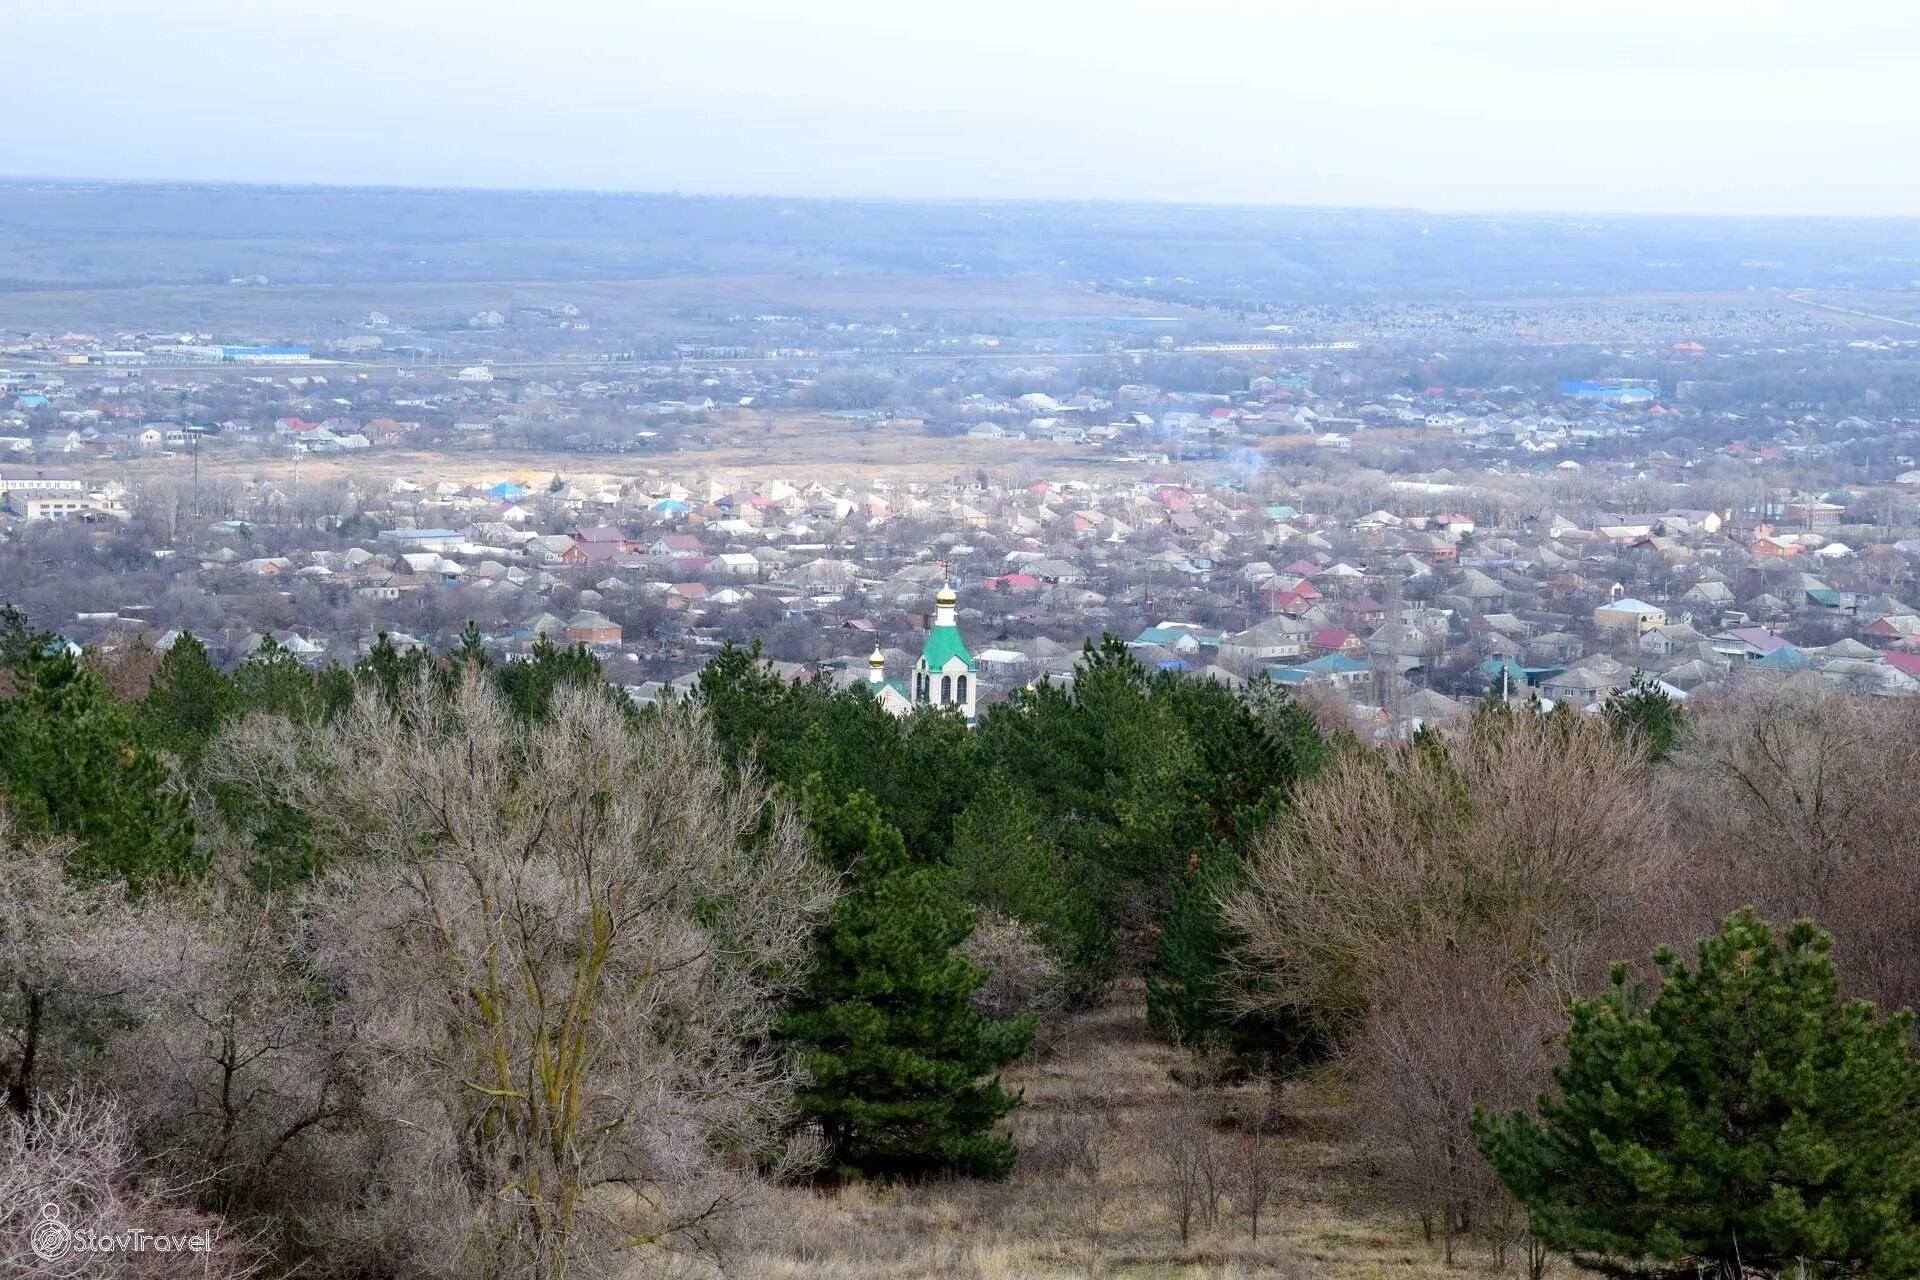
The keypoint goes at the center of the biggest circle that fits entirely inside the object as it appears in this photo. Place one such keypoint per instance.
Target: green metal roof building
(944, 676)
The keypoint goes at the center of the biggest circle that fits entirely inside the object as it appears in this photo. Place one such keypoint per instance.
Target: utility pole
(1390, 699)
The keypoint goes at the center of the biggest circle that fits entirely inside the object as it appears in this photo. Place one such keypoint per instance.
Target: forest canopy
(446, 965)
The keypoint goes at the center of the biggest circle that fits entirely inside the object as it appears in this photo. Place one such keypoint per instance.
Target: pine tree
(273, 680)
(749, 708)
(389, 668)
(1645, 715)
(1746, 1120)
(21, 643)
(528, 686)
(1183, 988)
(1002, 864)
(187, 701)
(1255, 747)
(901, 1065)
(73, 762)
(472, 649)
(1187, 1000)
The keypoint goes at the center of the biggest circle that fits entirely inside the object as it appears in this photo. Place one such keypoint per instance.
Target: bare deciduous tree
(1189, 1157)
(1430, 911)
(63, 954)
(1532, 837)
(1797, 799)
(1023, 976)
(1255, 1175)
(1452, 1034)
(234, 1068)
(562, 946)
(73, 1160)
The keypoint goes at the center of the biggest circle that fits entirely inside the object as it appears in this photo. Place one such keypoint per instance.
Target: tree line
(445, 965)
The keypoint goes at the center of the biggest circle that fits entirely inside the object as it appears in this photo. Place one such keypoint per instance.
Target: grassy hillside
(1113, 1087)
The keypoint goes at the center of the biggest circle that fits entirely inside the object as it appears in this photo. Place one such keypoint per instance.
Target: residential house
(1629, 616)
(1812, 515)
(1274, 639)
(604, 536)
(736, 564)
(1588, 682)
(1668, 639)
(1747, 644)
(1336, 670)
(676, 546)
(588, 627)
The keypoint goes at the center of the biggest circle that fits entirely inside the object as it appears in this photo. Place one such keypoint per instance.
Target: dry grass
(1111, 1075)
(761, 447)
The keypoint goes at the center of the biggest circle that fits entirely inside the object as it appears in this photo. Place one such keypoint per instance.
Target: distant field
(676, 303)
(1731, 300)
(1848, 309)
(1843, 310)
(789, 447)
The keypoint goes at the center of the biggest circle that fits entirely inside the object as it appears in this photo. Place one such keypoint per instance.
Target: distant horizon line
(9, 180)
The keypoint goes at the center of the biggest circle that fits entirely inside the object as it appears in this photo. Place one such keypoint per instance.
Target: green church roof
(873, 687)
(944, 643)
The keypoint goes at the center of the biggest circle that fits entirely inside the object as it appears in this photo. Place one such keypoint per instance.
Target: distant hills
(109, 235)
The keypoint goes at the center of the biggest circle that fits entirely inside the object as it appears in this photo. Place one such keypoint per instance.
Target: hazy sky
(1740, 106)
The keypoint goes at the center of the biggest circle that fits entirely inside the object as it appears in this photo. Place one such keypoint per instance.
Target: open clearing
(904, 455)
(1110, 1077)
(797, 447)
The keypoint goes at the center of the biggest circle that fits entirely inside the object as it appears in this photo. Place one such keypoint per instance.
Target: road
(1804, 300)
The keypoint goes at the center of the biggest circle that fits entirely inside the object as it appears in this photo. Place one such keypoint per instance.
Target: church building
(943, 677)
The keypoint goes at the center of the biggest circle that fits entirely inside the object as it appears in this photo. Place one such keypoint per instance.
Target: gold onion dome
(947, 597)
(876, 659)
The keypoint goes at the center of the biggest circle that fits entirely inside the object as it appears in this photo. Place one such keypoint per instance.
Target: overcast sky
(1734, 106)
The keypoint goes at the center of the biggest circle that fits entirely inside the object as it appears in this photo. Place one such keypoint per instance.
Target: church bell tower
(944, 676)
